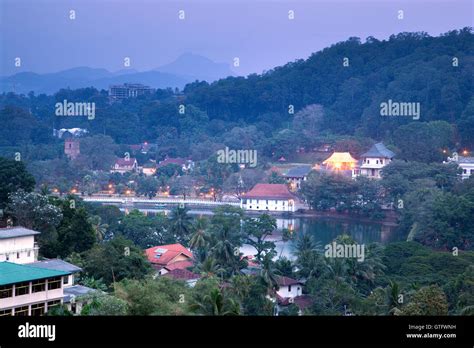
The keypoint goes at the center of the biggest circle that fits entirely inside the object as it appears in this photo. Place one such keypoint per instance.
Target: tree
(13, 177)
(97, 152)
(100, 229)
(180, 224)
(148, 186)
(161, 296)
(103, 304)
(429, 300)
(75, 233)
(144, 231)
(213, 301)
(257, 230)
(115, 260)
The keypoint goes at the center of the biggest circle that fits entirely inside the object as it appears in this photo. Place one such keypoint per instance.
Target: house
(166, 258)
(17, 245)
(269, 197)
(290, 291)
(465, 163)
(296, 175)
(72, 148)
(374, 160)
(186, 165)
(26, 290)
(289, 287)
(124, 165)
(183, 274)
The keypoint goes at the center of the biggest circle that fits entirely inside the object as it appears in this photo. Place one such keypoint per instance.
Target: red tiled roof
(182, 274)
(303, 301)
(269, 191)
(122, 162)
(177, 161)
(285, 281)
(166, 253)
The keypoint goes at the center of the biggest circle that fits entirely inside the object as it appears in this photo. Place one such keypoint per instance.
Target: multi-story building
(374, 160)
(32, 287)
(296, 175)
(129, 90)
(27, 290)
(17, 245)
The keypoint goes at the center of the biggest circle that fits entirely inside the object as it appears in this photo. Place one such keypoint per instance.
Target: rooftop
(272, 191)
(378, 150)
(74, 291)
(285, 281)
(182, 274)
(124, 162)
(340, 157)
(298, 172)
(462, 159)
(17, 231)
(11, 273)
(56, 264)
(164, 254)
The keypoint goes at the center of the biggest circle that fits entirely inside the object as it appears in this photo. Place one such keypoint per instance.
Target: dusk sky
(151, 34)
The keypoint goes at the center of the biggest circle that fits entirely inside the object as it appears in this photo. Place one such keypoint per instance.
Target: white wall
(284, 291)
(268, 205)
(23, 245)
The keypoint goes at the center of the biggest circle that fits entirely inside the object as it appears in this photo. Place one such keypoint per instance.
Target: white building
(29, 286)
(374, 160)
(17, 245)
(269, 197)
(465, 163)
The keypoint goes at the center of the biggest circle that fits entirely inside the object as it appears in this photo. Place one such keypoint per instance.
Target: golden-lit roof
(340, 157)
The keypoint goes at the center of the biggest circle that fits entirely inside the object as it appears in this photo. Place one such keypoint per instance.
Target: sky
(150, 33)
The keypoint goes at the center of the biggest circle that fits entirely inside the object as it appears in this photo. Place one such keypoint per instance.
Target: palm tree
(100, 229)
(180, 223)
(215, 303)
(210, 267)
(199, 237)
(268, 272)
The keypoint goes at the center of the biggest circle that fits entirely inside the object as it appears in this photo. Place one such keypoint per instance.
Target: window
(22, 288)
(381, 161)
(5, 312)
(29, 253)
(464, 171)
(37, 309)
(368, 161)
(17, 255)
(54, 283)
(66, 280)
(52, 304)
(8, 257)
(289, 288)
(376, 161)
(6, 291)
(21, 311)
(39, 285)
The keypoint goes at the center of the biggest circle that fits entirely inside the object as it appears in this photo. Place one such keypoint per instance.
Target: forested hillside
(255, 111)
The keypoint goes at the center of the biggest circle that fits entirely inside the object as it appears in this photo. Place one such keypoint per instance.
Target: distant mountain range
(186, 68)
